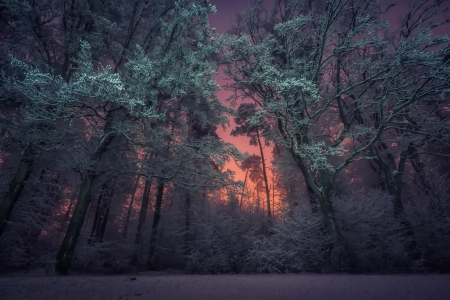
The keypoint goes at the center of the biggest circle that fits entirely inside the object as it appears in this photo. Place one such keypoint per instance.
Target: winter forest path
(189, 287)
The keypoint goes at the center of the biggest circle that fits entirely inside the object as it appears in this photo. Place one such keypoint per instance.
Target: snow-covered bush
(108, 256)
(296, 243)
(375, 237)
(220, 243)
(429, 212)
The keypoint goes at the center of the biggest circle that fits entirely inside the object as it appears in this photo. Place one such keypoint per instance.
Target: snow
(159, 286)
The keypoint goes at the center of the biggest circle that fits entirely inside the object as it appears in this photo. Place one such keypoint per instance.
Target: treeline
(110, 160)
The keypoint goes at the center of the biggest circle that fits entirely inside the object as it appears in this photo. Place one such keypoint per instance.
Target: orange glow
(243, 144)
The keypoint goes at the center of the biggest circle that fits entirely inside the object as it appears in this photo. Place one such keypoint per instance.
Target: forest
(112, 159)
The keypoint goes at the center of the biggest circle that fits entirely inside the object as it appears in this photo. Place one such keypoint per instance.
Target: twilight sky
(226, 10)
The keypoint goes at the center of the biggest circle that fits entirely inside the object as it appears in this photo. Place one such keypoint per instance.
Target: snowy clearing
(159, 286)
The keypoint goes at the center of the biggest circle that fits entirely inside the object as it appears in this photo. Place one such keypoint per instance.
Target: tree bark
(156, 218)
(187, 233)
(104, 213)
(143, 212)
(394, 183)
(97, 215)
(15, 188)
(65, 253)
(76, 223)
(269, 212)
(312, 199)
(130, 207)
(243, 189)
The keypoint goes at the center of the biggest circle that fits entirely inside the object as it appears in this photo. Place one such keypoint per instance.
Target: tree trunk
(187, 233)
(102, 212)
(97, 215)
(435, 203)
(323, 195)
(243, 189)
(393, 176)
(130, 207)
(328, 213)
(269, 212)
(76, 223)
(15, 188)
(66, 215)
(411, 245)
(312, 199)
(105, 208)
(143, 212)
(84, 197)
(136, 185)
(156, 217)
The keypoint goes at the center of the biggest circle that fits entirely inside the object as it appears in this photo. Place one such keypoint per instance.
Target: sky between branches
(222, 21)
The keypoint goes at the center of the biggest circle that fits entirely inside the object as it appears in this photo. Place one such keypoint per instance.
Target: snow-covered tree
(319, 70)
(172, 62)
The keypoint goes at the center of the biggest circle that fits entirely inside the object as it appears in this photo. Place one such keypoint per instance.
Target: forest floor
(158, 286)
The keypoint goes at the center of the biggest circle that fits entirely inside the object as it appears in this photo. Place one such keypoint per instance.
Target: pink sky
(226, 10)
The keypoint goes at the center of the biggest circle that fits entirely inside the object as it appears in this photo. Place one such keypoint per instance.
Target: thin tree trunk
(136, 185)
(273, 198)
(15, 188)
(156, 218)
(269, 213)
(130, 207)
(143, 212)
(102, 212)
(243, 189)
(97, 214)
(67, 215)
(418, 167)
(411, 245)
(142, 217)
(105, 208)
(187, 233)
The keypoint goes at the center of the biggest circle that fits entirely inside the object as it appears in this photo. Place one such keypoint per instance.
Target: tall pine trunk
(156, 217)
(130, 207)
(269, 212)
(187, 233)
(143, 212)
(243, 189)
(106, 206)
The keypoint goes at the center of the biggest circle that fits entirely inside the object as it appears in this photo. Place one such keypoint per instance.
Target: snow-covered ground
(158, 286)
